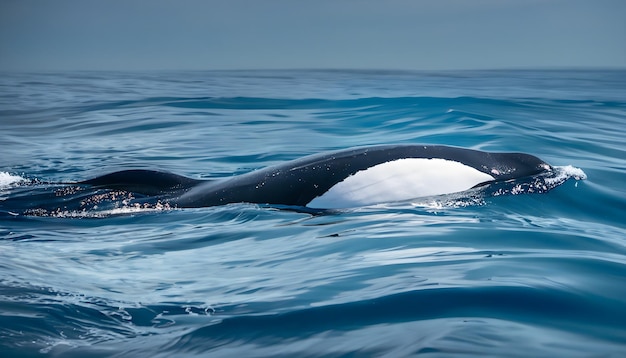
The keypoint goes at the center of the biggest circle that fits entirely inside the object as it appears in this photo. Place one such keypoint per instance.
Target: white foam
(573, 172)
(133, 209)
(8, 180)
(99, 214)
(563, 173)
(400, 180)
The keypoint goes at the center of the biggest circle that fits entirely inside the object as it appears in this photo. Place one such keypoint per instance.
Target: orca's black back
(299, 181)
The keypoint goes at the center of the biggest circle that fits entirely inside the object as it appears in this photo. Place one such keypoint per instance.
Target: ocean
(516, 275)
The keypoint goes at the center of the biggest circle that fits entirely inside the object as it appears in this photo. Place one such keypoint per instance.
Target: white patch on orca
(400, 180)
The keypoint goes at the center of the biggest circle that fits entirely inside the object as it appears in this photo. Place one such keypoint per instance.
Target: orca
(337, 180)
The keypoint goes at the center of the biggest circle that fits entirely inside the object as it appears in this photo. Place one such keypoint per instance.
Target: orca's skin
(340, 179)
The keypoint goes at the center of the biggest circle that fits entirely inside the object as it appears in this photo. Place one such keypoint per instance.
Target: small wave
(133, 209)
(8, 180)
(564, 173)
(463, 199)
(96, 213)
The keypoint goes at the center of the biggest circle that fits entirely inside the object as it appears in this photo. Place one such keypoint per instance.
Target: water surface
(509, 275)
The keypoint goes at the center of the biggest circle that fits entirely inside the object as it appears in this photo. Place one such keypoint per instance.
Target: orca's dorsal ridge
(340, 179)
(148, 182)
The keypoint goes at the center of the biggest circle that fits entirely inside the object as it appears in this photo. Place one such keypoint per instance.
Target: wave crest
(8, 180)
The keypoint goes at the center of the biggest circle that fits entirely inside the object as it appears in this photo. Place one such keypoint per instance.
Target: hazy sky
(277, 34)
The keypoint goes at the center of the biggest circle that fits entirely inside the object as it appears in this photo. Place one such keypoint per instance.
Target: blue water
(522, 275)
